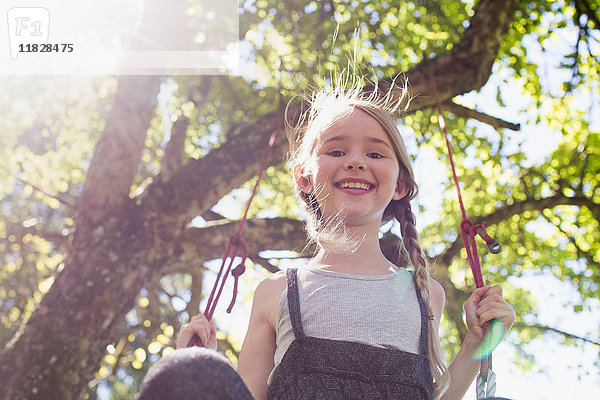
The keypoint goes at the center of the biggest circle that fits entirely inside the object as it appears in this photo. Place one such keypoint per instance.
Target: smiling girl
(352, 324)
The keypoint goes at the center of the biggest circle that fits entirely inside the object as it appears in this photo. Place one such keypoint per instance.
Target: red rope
(235, 242)
(467, 229)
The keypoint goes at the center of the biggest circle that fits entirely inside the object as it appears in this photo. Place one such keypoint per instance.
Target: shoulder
(267, 296)
(437, 296)
(272, 282)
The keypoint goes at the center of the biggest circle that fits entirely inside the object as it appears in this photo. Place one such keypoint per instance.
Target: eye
(375, 155)
(335, 153)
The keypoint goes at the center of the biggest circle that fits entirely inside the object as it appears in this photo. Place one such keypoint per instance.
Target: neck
(368, 258)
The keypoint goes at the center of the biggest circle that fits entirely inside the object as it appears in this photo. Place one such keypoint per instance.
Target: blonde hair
(305, 122)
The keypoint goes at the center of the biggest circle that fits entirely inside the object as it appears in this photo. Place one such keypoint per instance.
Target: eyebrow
(372, 139)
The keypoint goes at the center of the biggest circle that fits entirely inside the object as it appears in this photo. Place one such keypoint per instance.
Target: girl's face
(355, 170)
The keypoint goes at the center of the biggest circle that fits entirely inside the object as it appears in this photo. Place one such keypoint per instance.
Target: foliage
(51, 126)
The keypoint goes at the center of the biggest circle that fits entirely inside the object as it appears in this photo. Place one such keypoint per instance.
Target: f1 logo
(27, 25)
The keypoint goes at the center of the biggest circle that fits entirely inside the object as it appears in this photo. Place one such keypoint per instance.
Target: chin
(353, 217)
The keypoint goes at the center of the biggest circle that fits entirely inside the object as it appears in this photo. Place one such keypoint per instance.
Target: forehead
(355, 125)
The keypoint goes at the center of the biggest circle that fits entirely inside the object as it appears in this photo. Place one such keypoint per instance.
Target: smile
(354, 185)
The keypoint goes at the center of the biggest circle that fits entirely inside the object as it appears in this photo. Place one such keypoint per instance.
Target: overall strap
(294, 301)
(424, 338)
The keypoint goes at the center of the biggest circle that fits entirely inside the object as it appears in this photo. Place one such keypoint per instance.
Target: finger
(492, 304)
(203, 332)
(478, 294)
(199, 317)
(212, 343)
(491, 296)
(504, 315)
(200, 321)
(197, 327)
(487, 317)
(492, 301)
(475, 298)
(496, 289)
(204, 338)
(185, 335)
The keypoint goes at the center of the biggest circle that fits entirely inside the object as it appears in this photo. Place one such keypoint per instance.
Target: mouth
(361, 186)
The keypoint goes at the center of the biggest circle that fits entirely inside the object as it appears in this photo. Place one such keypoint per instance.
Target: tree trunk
(55, 354)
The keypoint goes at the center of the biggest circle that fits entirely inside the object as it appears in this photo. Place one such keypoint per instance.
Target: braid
(311, 201)
(410, 242)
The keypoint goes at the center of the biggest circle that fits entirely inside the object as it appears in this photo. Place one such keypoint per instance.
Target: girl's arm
(483, 305)
(463, 369)
(256, 357)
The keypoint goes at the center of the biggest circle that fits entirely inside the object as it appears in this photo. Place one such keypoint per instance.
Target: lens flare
(492, 339)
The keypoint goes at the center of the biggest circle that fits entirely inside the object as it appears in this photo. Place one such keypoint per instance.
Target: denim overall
(324, 369)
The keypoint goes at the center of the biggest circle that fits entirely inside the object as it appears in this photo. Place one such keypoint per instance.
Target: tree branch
(468, 65)
(580, 252)
(42, 190)
(466, 112)
(545, 328)
(464, 68)
(199, 185)
(210, 215)
(173, 158)
(264, 262)
(503, 213)
(119, 150)
(208, 243)
(174, 152)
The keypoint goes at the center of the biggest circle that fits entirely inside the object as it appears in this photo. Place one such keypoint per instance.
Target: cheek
(389, 172)
(324, 169)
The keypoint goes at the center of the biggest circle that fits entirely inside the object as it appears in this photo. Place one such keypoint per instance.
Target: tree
(100, 263)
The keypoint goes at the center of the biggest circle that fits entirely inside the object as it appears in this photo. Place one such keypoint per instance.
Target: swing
(237, 243)
(486, 379)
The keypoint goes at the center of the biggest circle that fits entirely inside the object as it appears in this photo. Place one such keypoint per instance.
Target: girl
(352, 324)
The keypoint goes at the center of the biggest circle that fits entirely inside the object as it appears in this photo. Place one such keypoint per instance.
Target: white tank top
(378, 310)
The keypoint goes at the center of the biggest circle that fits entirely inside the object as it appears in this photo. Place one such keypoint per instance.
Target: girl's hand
(485, 304)
(200, 326)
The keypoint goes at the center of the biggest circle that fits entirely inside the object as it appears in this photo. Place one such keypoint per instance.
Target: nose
(354, 164)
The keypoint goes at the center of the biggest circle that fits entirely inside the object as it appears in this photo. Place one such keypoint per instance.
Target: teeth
(354, 185)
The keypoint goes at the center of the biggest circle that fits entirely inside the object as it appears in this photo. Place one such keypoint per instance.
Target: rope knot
(466, 226)
(239, 270)
(236, 272)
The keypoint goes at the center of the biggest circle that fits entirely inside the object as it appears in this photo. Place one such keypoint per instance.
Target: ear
(301, 179)
(400, 192)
